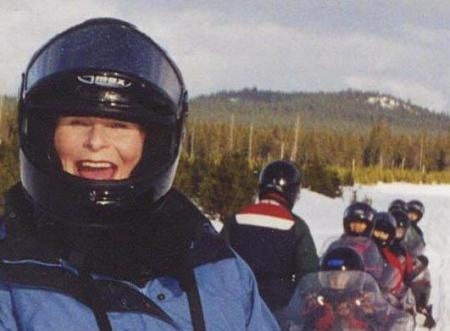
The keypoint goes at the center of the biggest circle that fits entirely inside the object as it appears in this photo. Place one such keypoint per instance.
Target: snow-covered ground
(324, 216)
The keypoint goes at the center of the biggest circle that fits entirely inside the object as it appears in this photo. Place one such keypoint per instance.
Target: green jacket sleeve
(227, 224)
(306, 259)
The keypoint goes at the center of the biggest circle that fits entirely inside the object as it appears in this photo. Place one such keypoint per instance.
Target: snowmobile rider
(340, 303)
(414, 239)
(415, 210)
(421, 283)
(96, 238)
(411, 239)
(276, 243)
(398, 269)
(404, 256)
(358, 223)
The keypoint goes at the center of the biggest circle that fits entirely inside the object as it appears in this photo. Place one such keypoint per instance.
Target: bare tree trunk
(403, 163)
(231, 139)
(192, 145)
(250, 144)
(381, 164)
(421, 153)
(295, 147)
(353, 167)
(282, 151)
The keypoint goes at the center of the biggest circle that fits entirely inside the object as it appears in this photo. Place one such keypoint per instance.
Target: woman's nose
(96, 138)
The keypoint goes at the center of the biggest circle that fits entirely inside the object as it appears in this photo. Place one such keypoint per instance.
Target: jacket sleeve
(7, 319)
(2, 229)
(259, 317)
(226, 230)
(306, 259)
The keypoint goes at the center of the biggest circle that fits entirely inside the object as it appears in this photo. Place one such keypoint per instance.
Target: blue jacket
(40, 291)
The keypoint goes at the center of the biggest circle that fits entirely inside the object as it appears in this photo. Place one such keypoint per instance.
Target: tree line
(222, 157)
(220, 162)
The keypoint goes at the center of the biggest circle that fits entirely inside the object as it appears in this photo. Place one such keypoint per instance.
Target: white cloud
(218, 47)
(27, 25)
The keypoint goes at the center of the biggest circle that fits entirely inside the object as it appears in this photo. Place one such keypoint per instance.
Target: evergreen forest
(335, 138)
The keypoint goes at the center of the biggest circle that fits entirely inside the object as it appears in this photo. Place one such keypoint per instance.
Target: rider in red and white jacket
(276, 243)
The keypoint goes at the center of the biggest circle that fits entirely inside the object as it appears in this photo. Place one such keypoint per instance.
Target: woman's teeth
(96, 164)
(97, 170)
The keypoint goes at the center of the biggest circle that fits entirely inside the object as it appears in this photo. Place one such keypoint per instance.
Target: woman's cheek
(130, 151)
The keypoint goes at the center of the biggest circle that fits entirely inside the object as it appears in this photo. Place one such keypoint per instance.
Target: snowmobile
(344, 295)
(335, 300)
(388, 278)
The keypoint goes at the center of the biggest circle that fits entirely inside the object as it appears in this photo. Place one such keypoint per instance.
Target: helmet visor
(109, 47)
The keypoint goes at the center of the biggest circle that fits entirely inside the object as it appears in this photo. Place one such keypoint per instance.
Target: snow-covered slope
(324, 216)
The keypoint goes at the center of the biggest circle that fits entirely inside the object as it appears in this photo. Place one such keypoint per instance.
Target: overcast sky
(396, 47)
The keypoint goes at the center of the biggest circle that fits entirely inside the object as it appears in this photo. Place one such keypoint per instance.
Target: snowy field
(324, 217)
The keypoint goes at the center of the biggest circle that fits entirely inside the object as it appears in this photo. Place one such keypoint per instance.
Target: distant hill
(346, 110)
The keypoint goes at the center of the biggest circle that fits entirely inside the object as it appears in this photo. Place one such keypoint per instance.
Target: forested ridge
(343, 110)
(335, 138)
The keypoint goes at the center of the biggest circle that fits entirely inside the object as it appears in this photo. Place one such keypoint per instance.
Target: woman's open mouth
(97, 170)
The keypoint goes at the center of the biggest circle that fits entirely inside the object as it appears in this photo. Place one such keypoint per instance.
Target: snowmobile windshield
(327, 243)
(357, 305)
(392, 280)
(110, 48)
(367, 250)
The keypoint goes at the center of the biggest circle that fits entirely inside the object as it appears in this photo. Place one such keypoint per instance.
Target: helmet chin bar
(92, 203)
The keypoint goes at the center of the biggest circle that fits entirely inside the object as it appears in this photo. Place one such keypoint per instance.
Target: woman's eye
(118, 125)
(78, 122)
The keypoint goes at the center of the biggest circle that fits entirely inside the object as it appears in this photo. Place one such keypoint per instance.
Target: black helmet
(282, 177)
(415, 206)
(403, 223)
(342, 259)
(384, 230)
(397, 204)
(401, 218)
(102, 68)
(359, 211)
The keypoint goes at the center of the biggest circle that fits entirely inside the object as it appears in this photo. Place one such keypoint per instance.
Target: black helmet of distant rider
(281, 177)
(385, 229)
(397, 204)
(415, 210)
(340, 266)
(402, 224)
(342, 259)
(103, 68)
(358, 219)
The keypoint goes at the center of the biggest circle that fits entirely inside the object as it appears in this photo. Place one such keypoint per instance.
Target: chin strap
(92, 296)
(2, 229)
(189, 284)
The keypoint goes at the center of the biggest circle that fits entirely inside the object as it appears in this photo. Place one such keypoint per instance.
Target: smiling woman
(98, 148)
(94, 226)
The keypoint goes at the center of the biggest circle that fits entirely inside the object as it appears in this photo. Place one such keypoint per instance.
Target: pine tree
(230, 184)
